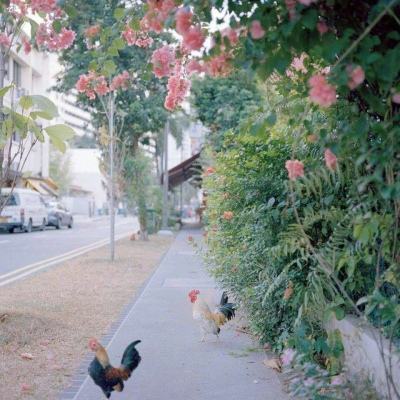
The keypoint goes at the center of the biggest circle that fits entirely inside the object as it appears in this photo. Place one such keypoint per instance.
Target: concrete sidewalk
(175, 364)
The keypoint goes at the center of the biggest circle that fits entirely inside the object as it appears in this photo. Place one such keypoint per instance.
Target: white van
(24, 209)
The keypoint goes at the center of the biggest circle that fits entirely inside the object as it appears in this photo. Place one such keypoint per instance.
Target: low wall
(362, 353)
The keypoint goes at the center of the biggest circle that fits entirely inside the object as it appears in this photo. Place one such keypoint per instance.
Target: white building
(86, 175)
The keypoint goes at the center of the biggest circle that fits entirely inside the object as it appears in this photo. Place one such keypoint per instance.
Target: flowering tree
(24, 24)
(335, 65)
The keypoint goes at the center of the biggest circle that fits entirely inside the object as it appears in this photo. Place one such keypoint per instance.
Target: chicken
(210, 322)
(105, 375)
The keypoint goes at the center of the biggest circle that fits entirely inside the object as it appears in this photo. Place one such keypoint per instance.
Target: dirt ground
(50, 316)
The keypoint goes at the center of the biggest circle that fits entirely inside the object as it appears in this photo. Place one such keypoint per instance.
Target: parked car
(58, 215)
(24, 209)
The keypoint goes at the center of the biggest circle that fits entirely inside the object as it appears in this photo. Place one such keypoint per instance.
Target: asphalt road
(21, 249)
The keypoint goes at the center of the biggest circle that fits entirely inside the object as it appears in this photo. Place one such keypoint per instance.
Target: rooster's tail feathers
(131, 358)
(228, 309)
(224, 299)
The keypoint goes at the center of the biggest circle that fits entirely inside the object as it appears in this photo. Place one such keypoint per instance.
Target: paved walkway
(175, 365)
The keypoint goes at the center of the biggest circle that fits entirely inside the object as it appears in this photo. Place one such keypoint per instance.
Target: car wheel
(70, 223)
(58, 223)
(11, 230)
(28, 228)
(43, 226)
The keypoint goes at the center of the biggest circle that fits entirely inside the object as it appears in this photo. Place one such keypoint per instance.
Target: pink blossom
(5, 40)
(183, 19)
(144, 41)
(298, 63)
(288, 356)
(322, 27)
(44, 6)
(194, 66)
(218, 66)
(26, 45)
(228, 215)
(256, 30)
(193, 39)
(18, 8)
(129, 35)
(82, 83)
(120, 81)
(163, 60)
(295, 169)
(321, 91)
(66, 38)
(356, 76)
(178, 87)
(396, 98)
(158, 12)
(330, 159)
(101, 87)
(232, 35)
(92, 31)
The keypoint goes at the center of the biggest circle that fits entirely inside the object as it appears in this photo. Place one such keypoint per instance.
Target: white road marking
(32, 268)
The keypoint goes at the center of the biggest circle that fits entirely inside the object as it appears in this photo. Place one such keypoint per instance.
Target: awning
(183, 171)
(40, 185)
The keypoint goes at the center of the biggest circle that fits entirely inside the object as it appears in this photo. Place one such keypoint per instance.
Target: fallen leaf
(27, 356)
(274, 363)
(26, 388)
(3, 317)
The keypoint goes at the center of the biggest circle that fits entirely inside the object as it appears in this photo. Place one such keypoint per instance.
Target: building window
(17, 74)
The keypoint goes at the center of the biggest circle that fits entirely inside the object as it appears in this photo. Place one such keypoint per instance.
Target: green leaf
(4, 90)
(26, 102)
(57, 25)
(45, 104)
(58, 134)
(119, 13)
(109, 68)
(118, 43)
(41, 114)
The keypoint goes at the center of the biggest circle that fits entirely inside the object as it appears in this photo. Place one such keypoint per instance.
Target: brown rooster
(105, 375)
(210, 322)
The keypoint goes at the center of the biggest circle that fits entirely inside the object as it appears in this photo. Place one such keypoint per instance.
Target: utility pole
(111, 186)
(165, 229)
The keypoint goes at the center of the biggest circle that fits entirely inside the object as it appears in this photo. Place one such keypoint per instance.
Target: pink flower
(232, 35)
(256, 30)
(158, 12)
(218, 66)
(26, 45)
(177, 89)
(129, 35)
(183, 19)
(193, 39)
(295, 169)
(82, 83)
(330, 159)
(321, 91)
(298, 63)
(209, 171)
(356, 76)
(396, 98)
(120, 81)
(92, 31)
(66, 38)
(288, 356)
(322, 27)
(44, 6)
(101, 87)
(163, 60)
(144, 41)
(194, 66)
(5, 40)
